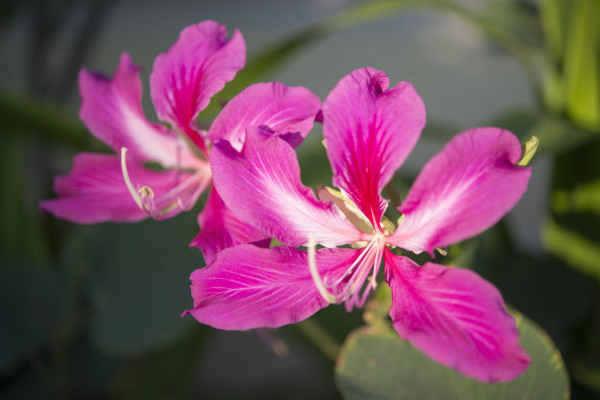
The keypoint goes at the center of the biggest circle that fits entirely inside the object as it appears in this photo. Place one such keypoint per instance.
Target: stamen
(352, 268)
(314, 272)
(167, 202)
(349, 290)
(130, 187)
(376, 265)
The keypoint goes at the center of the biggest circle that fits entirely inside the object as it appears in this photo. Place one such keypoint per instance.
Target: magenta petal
(251, 287)
(95, 191)
(221, 229)
(196, 67)
(455, 317)
(464, 189)
(111, 109)
(369, 130)
(283, 109)
(262, 185)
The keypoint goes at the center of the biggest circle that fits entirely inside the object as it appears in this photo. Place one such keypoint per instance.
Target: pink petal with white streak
(369, 130)
(464, 189)
(283, 109)
(262, 185)
(95, 191)
(221, 229)
(111, 110)
(196, 67)
(455, 317)
(251, 287)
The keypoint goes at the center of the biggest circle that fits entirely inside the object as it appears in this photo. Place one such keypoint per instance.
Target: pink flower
(122, 187)
(451, 314)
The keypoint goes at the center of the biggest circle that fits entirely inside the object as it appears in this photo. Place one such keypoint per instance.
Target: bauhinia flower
(127, 186)
(451, 314)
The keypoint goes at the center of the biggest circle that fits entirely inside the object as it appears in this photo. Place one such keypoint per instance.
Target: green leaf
(586, 375)
(556, 135)
(29, 115)
(21, 234)
(554, 15)
(140, 285)
(269, 59)
(582, 198)
(377, 364)
(582, 64)
(573, 248)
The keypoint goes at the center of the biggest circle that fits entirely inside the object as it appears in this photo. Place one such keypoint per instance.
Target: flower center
(347, 287)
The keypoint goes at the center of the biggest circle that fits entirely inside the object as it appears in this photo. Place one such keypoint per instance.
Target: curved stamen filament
(159, 208)
(314, 272)
(136, 196)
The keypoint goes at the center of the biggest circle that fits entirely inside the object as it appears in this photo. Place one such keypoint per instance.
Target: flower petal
(369, 131)
(251, 287)
(455, 317)
(111, 110)
(221, 229)
(196, 67)
(262, 186)
(464, 189)
(95, 191)
(284, 109)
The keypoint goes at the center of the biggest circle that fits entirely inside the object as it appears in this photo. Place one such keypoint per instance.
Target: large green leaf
(140, 285)
(376, 364)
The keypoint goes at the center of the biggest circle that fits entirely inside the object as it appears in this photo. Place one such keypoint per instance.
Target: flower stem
(320, 338)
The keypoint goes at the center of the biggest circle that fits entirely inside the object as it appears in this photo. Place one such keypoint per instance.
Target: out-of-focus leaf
(556, 135)
(20, 114)
(154, 376)
(583, 198)
(377, 364)
(271, 58)
(553, 87)
(8, 10)
(364, 12)
(582, 64)
(519, 18)
(21, 235)
(573, 248)
(140, 285)
(554, 15)
(29, 311)
(87, 373)
(585, 375)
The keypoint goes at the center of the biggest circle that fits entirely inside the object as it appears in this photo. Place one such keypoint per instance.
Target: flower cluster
(334, 245)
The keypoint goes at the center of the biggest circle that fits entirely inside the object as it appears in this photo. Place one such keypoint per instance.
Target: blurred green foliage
(93, 312)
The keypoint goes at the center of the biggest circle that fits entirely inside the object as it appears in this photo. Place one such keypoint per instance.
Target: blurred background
(92, 312)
